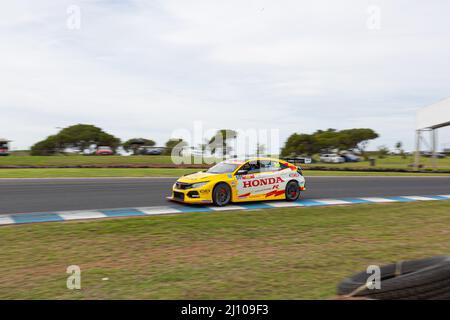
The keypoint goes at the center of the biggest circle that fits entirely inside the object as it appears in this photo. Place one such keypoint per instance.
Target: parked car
(331, 158)
(430, 154)
(4, 148)
(149, 151)
(349, 157)
(104, 151)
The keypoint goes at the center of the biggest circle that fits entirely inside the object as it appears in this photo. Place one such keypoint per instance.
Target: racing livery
(241, 180)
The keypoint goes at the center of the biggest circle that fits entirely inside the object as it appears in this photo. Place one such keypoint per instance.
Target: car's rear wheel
(221, 194)
(292, 191)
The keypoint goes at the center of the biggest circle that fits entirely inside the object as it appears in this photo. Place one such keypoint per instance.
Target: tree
(175, 145)
(135, 143)
(357, 138)
(221, 141)
(329, 139)
(46, 147)
(400, 151)
(79, 136)
(309, 144)
(300, 144)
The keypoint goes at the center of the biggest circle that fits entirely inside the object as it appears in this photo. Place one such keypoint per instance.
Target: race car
(241, 180)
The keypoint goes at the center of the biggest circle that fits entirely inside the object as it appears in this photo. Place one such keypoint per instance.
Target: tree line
(82, 136)
(322, 140)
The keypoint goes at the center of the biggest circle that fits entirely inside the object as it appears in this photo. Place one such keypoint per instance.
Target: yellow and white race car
(236, 180)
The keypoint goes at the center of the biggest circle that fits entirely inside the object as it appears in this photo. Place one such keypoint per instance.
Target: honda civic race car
(241, 180)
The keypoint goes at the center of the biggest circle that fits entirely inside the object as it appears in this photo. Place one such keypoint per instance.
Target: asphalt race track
(41, 195)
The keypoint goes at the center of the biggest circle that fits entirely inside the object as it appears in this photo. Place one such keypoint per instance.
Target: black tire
(292, 191)
(412, 280)
(221, 194)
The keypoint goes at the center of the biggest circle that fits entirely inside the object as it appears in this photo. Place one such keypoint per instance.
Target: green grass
(74, 160)
(300, 253)
(162, 172)
(390, 162)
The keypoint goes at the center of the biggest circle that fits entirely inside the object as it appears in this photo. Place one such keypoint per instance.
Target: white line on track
(419, 198)
(158, 210)
(226, 208)
(374, 199)
(332, 201)
(6, 220)
(77, 215)
(285, 204)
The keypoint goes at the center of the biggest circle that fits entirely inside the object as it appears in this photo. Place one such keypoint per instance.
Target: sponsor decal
(244, 195)
(262, 182)
(275, 193)
(293, 175)
(249, 176)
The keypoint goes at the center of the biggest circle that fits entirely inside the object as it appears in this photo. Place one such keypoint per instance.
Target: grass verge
(162, 172)
(295, 253)
(389, 162)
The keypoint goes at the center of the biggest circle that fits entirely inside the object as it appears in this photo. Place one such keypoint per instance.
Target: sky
(151, 68)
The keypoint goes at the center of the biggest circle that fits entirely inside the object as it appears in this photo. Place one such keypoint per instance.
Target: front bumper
(193, 196)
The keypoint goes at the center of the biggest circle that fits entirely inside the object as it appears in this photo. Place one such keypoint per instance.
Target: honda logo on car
(262, 182)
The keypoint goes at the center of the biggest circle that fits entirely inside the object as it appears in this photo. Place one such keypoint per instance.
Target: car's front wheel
(292, 191)
(221, 194)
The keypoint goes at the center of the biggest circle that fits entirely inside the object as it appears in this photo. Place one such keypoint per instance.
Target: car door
(261, 181)
(245, 177)
(275, 176)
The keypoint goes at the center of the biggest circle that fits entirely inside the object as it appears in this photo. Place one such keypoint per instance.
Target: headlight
(199, 184)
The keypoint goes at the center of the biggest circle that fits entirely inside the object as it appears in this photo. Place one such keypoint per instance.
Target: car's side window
(243, 168)
(255, 167)
(249, 167)
(268, 165)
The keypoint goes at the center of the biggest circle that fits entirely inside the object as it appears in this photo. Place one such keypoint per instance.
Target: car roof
(244, 160)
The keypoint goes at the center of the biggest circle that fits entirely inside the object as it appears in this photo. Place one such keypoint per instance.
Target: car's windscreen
(223, 168)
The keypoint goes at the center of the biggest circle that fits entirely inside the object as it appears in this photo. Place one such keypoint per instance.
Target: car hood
(197, 177)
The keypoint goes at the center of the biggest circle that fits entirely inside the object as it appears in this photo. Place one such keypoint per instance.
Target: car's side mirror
(240, 172)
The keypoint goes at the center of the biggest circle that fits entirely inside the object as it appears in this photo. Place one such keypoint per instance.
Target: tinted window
(223, 168)
(251, 167)
(268, 165)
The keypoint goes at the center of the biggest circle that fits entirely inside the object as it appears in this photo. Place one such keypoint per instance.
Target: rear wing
(298, 160)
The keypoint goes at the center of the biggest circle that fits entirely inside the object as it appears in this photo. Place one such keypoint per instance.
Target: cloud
(139, 68)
